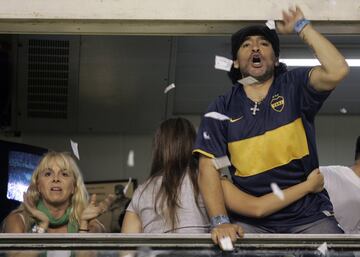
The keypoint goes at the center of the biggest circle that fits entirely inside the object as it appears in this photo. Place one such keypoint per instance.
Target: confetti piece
(323, 249)
(75, 150)
(130, 160)
(248, 80)
(168, 88)
(226, 244)
(343, 110)
(221, 162)
(277, 191)
(216, 116)
(223, 63)
(270, 24)
(126, 188)
(206, 135)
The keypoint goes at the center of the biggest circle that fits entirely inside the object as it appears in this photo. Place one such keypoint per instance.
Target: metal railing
(169, 241)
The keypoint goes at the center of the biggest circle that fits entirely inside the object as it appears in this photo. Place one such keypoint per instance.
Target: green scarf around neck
(72, 227)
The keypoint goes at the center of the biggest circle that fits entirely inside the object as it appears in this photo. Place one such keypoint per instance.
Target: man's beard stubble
(262, 78)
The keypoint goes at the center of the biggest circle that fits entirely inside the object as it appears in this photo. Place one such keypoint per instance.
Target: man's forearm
(333, 64)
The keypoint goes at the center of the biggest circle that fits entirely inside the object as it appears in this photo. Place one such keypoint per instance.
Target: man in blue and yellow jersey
(269, 135)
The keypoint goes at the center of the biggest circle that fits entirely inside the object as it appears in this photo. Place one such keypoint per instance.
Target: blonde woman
(57, 201)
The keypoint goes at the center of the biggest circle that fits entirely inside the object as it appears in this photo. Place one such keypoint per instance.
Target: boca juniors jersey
(272, 141)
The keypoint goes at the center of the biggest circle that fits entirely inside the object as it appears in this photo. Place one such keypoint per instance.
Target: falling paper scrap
(126, 188)
(223, 63)
(343, 110)
(323, 249)
(221, 162)
(75, 150)
(248, 80)
(130, 160)
(270, 24)
(277, 191)
(169, 87)
(206, 135)
(216, 116)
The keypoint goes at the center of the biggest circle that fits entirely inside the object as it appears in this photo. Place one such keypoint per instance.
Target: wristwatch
(218, 220)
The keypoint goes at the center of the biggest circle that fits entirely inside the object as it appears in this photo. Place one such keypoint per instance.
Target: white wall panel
(166, 17)
(175, 10)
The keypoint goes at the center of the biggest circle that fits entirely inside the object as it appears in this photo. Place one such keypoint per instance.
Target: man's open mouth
(256, 59)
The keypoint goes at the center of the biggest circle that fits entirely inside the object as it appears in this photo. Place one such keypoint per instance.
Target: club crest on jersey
(277, 103)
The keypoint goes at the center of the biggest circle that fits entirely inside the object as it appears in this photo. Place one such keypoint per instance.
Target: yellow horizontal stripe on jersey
(203, 153)
(273, 149)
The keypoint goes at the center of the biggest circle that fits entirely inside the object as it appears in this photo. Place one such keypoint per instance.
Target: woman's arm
(131, 223)
(258, 207)
(14, 224)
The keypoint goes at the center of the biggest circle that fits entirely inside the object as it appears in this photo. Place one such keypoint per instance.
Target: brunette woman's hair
(172, 160)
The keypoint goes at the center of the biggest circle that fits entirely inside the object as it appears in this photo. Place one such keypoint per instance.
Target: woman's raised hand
(95, 209)
(37, 214)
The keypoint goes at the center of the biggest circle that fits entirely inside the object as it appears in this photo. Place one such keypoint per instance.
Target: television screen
(20, 169)
(17, 163)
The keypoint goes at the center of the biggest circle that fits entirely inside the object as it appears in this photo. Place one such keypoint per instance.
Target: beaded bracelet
(300, 24)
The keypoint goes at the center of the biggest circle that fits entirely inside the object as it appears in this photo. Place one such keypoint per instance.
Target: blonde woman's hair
(78, 201)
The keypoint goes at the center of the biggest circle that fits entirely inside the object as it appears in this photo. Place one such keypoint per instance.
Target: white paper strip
(226, 244)
(168, 88)
(216, 116)
(277, 191)
(221, 162)
(270, 24)
(130, 160)
(248, 81)
(323, 249)
(223, 63)
(74, 147)
(126, 188)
